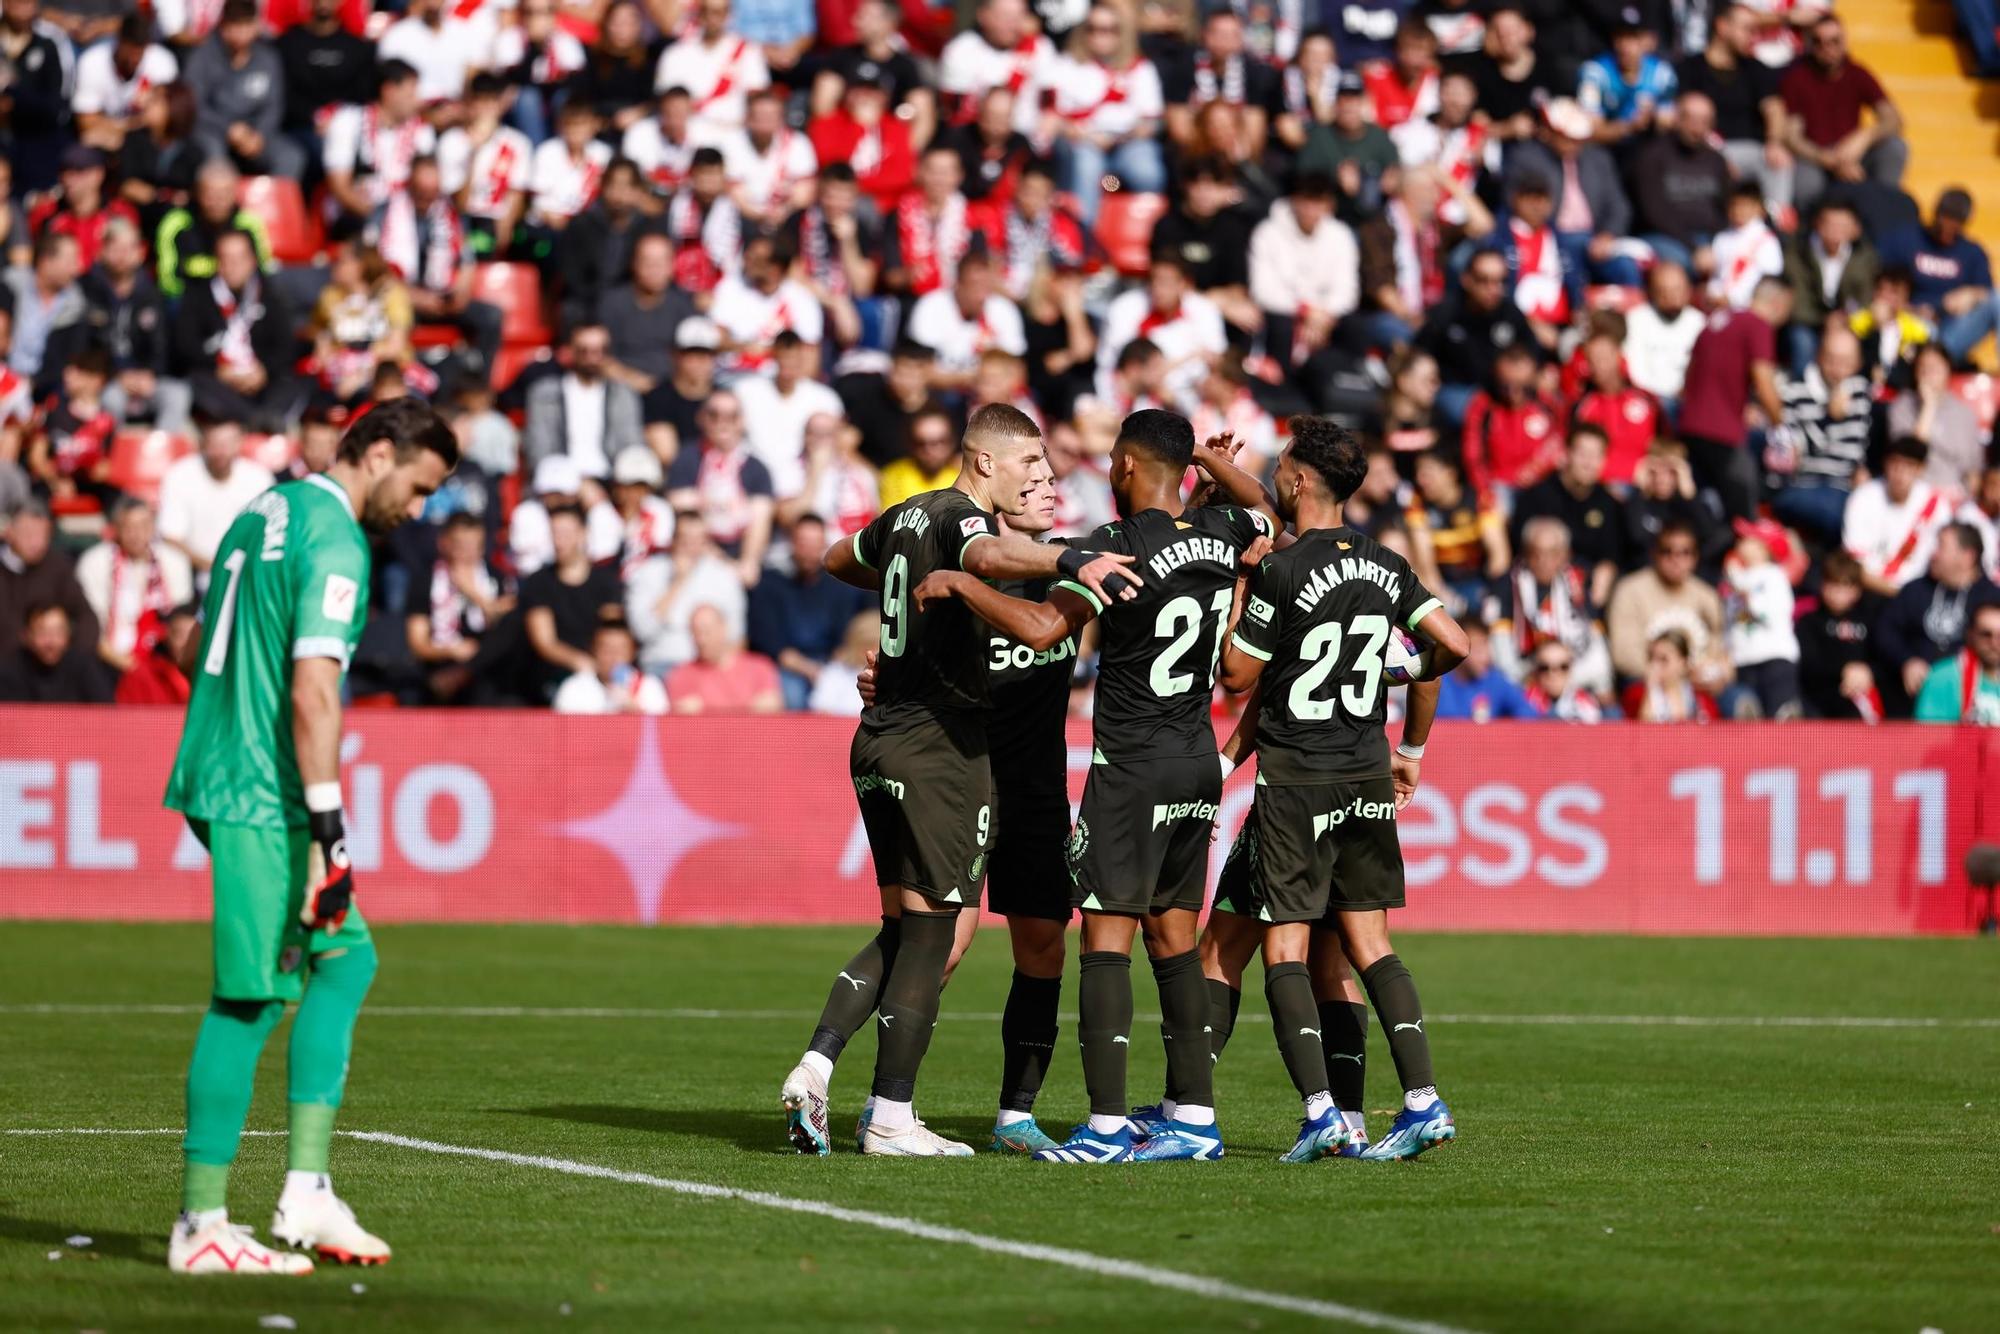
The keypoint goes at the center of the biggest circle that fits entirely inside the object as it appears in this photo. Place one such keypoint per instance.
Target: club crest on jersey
(1079, 842)
(1165, 812)
(337, 603)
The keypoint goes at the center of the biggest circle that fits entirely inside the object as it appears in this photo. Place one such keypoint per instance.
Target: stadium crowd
(1659, 367)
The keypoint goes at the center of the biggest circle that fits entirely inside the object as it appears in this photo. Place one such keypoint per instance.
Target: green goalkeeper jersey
(290, 581)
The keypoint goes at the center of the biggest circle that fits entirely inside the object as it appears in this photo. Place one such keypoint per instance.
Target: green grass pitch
(1609, 1176)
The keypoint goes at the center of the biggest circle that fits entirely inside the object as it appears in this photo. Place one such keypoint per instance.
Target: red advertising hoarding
(1821, 829)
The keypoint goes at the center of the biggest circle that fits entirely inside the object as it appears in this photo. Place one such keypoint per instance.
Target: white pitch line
(993, 1016)
(1084, 1261)
(1102, 1266)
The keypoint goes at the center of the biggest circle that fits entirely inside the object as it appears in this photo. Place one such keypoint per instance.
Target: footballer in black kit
(1317, 624)
(920, 768)
(1139, 854)
(1026, 872)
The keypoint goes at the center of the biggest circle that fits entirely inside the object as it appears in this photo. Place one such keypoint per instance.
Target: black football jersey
(1029, 689)
(1157, 653)
(935, 662)
(1320, 614)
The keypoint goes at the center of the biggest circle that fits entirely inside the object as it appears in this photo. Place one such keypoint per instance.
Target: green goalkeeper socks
(221, 1075)
(322, 1041)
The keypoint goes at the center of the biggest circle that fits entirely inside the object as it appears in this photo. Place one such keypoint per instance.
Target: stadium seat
(517, 290)
(140, 458)
(1125, 229)
(513, 359)
(281, 204)
(435, 335)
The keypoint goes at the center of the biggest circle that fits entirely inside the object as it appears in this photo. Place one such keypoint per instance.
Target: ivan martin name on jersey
(1346, 570)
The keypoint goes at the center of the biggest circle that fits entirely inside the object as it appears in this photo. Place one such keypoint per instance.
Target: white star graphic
(648, 828)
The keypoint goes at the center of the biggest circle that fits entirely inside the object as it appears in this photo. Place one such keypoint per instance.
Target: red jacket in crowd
(1510, 444)
(1630, 417)
(884, 169)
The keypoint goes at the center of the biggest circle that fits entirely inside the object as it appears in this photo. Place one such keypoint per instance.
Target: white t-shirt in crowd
(1195, 332)
(938, 323)
(765, 179)
(102, 91)
(774, 425)
(754, 318)
(443, 56)
(1657, 350)
(719, 78)
(96, 572)
(582, 692)
(488, 174)
(196, 509)
(1894, 542)
(356, 142)
(564, 187)
(1757, 615)
(1106, 100)
(970, 66)
(661, 622)
(533, 547)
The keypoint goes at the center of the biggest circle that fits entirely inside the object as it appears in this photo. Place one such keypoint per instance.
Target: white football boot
(915, 1140)
(223, 1247)
(804, 1099)
(321, 1222)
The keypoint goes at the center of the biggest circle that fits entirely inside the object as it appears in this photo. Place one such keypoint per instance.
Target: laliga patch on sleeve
(337, 604)
(1262, 521)
(1259, 610)
(972, 525)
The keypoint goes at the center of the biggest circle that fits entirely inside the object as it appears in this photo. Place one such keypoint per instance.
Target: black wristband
(326, 827)
(1071, 562)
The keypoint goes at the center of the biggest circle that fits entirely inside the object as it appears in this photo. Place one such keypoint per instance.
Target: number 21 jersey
(1319, 614)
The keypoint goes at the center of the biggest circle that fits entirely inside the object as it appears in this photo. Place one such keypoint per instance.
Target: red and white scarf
(454, 616)
(755, 354)
(1419, 275)
(723, 499)
(1560, 613)
(704, 236)
(931, 246)
(424, 259)
(1461, 157)
(154, 599)
(1300, 100)
(1208, 86)
(816, 248)
(235, 350)
(1538, 273)
(386, 151)
(646, 534)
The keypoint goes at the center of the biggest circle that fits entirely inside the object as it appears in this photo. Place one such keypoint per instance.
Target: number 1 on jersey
(1181, 619)
(225, 615)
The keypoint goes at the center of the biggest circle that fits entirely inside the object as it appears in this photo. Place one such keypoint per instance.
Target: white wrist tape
(1228, 766)
(321, 797)
(1408, 751)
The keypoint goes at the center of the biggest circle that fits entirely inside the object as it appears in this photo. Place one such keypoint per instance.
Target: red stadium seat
(517, 290)
(434, 335)
(1125, 229)
(140, 458)
(279, 202)
(513, 359)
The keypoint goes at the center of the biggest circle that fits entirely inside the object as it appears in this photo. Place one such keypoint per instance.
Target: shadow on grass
(48, 1235)
(746, 1130)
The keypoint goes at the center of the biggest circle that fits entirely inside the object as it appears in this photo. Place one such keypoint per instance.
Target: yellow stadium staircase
(1952, 120)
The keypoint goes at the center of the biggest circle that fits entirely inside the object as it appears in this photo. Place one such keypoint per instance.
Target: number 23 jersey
(933, 663)
(1319, 614)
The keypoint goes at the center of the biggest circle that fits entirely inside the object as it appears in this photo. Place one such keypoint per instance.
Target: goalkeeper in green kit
(258, 777)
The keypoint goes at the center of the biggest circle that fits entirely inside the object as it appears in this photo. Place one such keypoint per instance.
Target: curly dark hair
(1330, 450)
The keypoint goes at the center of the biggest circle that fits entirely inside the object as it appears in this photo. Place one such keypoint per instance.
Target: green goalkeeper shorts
(261, 947)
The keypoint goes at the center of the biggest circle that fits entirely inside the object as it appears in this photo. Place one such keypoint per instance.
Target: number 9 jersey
(1319, 613)
(919, 759)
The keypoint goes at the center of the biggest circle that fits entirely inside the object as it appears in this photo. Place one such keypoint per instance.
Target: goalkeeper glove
(330, 875)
